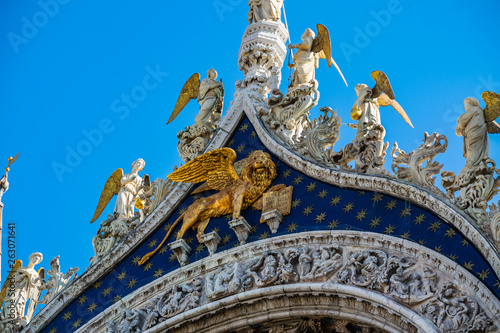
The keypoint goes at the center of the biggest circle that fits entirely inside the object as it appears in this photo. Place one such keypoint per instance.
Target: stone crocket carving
(216, 169)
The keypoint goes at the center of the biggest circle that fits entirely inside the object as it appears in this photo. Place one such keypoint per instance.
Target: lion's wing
(215, 167)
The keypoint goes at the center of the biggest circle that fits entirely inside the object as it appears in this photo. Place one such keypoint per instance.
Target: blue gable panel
(316, 206)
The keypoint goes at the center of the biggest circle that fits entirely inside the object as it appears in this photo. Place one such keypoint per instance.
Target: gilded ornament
(236, 192)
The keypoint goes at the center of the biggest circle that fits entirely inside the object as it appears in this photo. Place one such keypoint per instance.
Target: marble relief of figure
(264, 10)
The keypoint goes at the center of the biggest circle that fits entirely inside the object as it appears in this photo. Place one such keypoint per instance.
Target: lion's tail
(150, 254)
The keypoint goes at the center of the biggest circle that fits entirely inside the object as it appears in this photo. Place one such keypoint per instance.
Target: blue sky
(67, 69)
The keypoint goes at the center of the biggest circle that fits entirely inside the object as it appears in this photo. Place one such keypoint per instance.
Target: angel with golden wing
(475, 124)
(309, 52)
(210, 94)
(366, 108)
(22, 284)
(127, 188)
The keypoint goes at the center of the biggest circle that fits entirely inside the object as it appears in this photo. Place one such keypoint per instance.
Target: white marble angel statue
(264, 10)
(57, 281)
(210, 94)
(474, 126)
(22, 284)
(127, 187)
(366, 108)
(309, 52)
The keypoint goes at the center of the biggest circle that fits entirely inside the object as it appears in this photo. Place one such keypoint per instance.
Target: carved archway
(382, 282)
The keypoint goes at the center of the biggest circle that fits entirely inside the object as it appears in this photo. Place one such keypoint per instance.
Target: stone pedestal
(263, 52)
(241, 228)
(211, 241)
(273, 219)
(181, 250)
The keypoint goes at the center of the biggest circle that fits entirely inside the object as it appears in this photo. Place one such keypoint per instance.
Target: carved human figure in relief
(264, 10)
(22, 284)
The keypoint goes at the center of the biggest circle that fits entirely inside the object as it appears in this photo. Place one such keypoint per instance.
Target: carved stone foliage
(289, 114)
(411, 168)
(113, 230)
(452, 311)
(194, 139)
(477, 185)
(391, 275)
(367, 152)
(262, 54)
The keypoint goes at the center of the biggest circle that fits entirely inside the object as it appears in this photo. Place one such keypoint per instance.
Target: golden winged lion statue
(217, 170)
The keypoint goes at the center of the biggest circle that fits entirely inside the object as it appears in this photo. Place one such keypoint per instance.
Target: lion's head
(259, 171)
(260, 164)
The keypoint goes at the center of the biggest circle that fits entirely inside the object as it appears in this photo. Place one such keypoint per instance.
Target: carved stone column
(262, 54)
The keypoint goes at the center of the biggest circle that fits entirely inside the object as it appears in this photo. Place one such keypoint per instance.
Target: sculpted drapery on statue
(476, 181)
(209, 93)
(474, 126)
(22, 284)
(126, 187)
(264, 10)
(366, 109)
(309, 52)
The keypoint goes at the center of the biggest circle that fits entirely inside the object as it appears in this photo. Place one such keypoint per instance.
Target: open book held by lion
(217, 169)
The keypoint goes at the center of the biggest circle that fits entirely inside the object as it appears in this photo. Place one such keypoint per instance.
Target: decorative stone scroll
(414, 171)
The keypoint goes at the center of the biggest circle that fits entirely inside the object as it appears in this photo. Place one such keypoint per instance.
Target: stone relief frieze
(419, 281)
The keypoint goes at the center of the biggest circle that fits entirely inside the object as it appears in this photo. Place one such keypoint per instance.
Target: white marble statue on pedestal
(264, 10)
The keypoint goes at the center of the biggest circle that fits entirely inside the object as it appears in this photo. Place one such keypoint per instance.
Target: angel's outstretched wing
(382, 85)
(146, 181)
(322, 45)
(36, 294)
(492, 111)
(215, 167)
(111, 188)
(384, 100)
(189, 91)
(6, 284)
